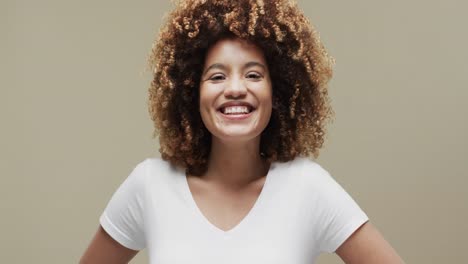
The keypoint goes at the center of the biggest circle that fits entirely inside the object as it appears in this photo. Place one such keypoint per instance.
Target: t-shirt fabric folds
(301, 212)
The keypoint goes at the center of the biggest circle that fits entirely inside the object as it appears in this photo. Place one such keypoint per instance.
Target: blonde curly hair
(299, 66)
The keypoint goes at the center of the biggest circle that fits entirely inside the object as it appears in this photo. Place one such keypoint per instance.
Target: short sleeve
(339, 216)
(123, 217)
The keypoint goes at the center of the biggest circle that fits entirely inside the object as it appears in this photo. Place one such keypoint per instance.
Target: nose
(235, 88)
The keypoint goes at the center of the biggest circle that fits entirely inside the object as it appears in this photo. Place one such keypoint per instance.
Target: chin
(236, 135)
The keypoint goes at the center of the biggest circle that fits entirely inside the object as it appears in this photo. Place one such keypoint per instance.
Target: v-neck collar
(261, 199)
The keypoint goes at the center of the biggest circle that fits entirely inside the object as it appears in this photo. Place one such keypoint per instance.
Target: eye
(253, 75)
(217, 77)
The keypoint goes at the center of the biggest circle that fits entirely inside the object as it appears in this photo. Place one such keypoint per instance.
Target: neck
(235, 164)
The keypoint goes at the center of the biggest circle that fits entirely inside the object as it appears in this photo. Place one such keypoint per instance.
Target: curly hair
(299, 66)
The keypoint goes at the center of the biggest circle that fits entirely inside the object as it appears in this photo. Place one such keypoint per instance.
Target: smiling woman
(239, 100)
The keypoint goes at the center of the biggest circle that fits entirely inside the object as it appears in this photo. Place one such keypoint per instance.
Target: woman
(239, 98)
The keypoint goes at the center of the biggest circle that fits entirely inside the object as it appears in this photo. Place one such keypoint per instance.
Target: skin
(367, 246)
(236, 70)
(105, 250)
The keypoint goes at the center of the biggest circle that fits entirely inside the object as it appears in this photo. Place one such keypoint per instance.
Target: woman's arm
(367, 246)
(104, 249)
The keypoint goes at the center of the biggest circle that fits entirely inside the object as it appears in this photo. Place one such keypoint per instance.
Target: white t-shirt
(301, 212)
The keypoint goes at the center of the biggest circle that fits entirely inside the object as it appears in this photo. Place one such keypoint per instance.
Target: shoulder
(145, 176)
(306, 170)
(149, 166)
(308, 175)
(305, 163)
(158, 172)
(302, 164)
(156, 163)
(160, 167)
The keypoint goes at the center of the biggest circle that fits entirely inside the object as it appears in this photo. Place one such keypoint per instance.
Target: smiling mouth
(236, 110)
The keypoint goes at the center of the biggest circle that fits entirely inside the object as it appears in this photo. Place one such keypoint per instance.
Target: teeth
(236, 110)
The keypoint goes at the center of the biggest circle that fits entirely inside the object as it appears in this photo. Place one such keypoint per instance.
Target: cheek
(269, 99)
(204, 97)
(203, 108)
(265, 96)
(266, 100)
(206, 102)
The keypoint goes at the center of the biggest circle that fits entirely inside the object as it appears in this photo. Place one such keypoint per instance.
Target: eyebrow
(223, 67)
(215, 66)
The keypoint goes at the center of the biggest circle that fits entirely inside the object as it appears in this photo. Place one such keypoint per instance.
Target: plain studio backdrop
(74, 119)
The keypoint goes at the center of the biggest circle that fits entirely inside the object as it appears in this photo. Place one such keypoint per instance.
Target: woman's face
(235, 91)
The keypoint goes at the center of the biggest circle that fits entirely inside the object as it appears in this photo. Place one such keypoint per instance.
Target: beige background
(74, 120)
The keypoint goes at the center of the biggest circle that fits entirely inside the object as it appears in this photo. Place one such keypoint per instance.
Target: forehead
(232, 50)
